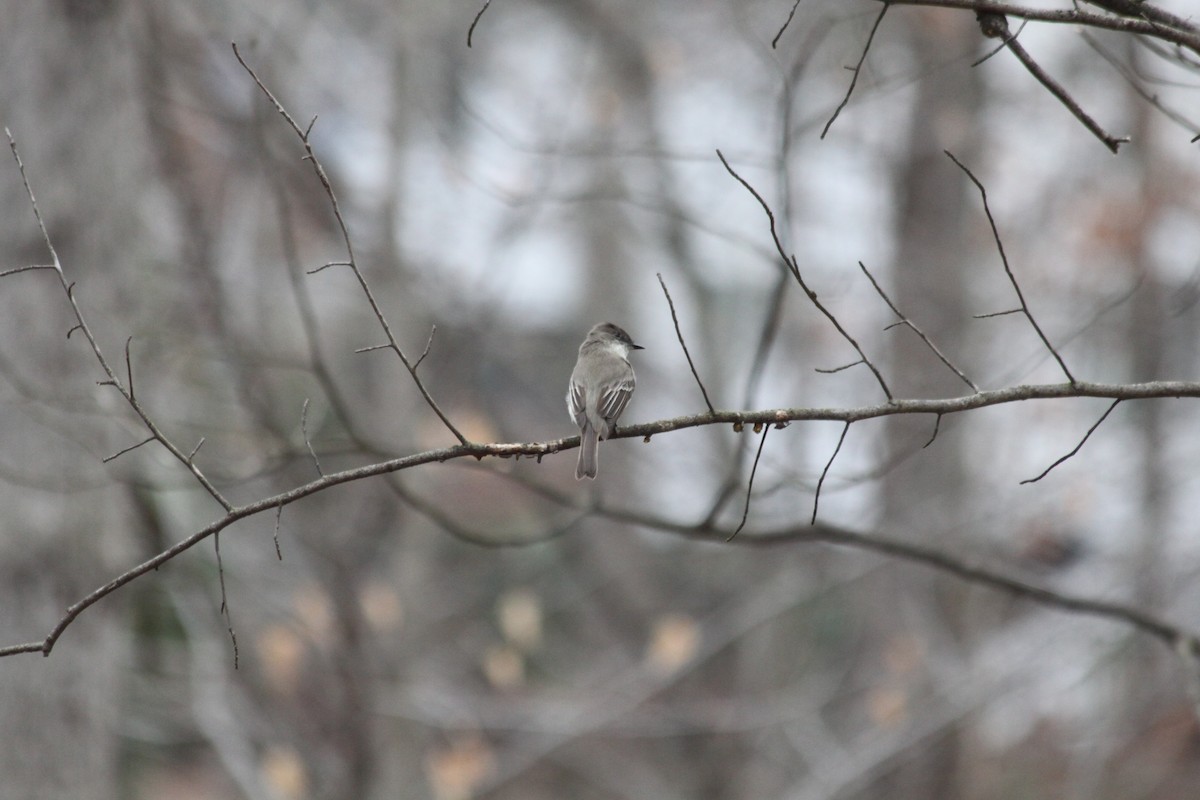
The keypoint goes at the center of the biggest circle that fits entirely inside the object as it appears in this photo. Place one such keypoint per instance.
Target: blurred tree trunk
(926, 495)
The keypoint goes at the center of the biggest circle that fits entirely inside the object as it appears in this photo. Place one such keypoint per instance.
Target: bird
(601, 385)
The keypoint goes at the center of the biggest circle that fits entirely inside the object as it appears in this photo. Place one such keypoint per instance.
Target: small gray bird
(601, 386)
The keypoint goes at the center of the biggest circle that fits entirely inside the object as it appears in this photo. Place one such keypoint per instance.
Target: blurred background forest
(494, 629)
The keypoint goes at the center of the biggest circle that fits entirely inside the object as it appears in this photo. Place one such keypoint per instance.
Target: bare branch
(786, 23)
(327, 264)
(304, 432)
(474, 22)
(995, 26)
(825, 472)
(195, 449)
(997, 314)
(1007, 269)
(26, 268)
(82, 326)
(311, 156)
(856, 69)
(428, 344)
(1077, 448)
(833, 370)
(912, 325)
(683, 344)
(1163, 26)
(950, 405)
(790, 262)
(278, 518)
(937, 426)
(129, 368)
(750, 484)
(224, 599)
(122, 452)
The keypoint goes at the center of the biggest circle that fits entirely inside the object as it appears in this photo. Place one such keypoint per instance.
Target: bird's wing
(577, 404)
(613, 402)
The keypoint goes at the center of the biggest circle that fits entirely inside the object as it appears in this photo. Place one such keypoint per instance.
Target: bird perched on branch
(601, 386)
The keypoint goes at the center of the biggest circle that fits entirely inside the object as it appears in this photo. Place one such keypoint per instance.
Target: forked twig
(310, 155)
(913, 327)
(856, 69)
(82, 326)
(790, 262)
(1007, 269)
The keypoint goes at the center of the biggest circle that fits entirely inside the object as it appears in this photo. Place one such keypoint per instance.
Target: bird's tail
(589, 441)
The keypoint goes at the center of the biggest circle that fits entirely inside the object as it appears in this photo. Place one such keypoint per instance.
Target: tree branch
(683, 344)
(311, 156)
(1138, 391)
(1178, 31)
(790, 262)
(987, 209)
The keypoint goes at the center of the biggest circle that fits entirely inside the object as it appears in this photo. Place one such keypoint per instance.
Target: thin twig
(304, 432)
(278, 517)
(1078, 447)
(750, 484)
(327, 265)
(937, 426)
(319, 170)
(824, 472)
(224, 601)
(856, 69)
(428, 344)
(788, 21)
(373, 348)
(26, 268)
(122, 452)
(833, 370)
(82, 326)
(129, 368)
(683, 344)
(997, 314)
(913, 326)
(195, 449)
(474, 22)
(1007, 269)
(794, 268)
